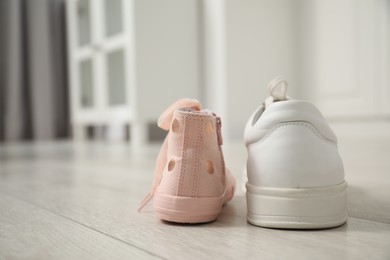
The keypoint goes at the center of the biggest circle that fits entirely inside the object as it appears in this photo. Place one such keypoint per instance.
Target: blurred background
(106, 69)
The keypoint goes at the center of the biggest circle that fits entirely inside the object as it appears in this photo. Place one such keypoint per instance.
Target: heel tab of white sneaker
(277, 89)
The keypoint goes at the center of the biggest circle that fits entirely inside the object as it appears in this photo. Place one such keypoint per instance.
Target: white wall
(260, 45)
(167, 53)
(335, 53)
(345, 62)
(247, 43)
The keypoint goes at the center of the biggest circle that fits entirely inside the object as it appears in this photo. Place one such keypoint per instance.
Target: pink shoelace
(164, 122)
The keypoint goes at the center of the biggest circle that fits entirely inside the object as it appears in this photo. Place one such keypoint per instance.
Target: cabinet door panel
(86, 83)
(115, 67)
(83, 22)
(113, 13)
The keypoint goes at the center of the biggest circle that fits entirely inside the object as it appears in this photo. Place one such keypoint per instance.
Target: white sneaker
(295, 173)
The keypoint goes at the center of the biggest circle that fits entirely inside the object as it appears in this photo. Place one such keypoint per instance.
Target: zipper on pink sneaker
(219, 132)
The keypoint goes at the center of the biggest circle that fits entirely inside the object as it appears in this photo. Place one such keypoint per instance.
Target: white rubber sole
(187, 209)
(304, 208)
(191, 209)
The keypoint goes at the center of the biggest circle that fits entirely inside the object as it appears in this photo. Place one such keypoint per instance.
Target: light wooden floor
(78, 201)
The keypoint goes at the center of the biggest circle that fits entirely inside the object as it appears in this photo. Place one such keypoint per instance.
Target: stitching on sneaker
(198, 157)
(298, 123)
(184, 158)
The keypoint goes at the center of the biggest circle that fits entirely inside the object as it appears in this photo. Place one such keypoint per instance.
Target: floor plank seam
(81, 224)
(371, 220)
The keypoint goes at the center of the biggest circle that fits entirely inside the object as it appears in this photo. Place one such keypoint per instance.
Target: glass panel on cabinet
(86, 83)
(113, 12)
(83, 22)
(116, 77)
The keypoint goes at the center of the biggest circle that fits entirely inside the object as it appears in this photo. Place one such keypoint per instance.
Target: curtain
(33, 70)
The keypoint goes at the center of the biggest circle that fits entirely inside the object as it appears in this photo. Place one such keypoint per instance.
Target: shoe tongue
(269, 101)
(166, 117)
(207, 112)
(197, 111)
(277, 90)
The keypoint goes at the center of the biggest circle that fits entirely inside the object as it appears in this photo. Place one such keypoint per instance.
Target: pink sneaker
(191, 183)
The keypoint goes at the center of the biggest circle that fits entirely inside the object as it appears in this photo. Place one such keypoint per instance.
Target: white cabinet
(101, 57)
(128, 60)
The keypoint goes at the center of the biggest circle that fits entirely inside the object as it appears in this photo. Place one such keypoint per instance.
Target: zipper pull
(219, 132)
